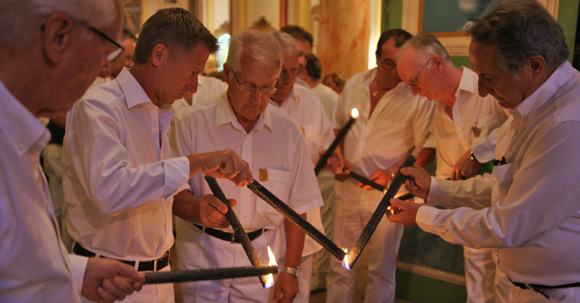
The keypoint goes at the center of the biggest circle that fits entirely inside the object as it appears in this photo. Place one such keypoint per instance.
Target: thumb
(219, 205)
(128, 271)
(233, 202)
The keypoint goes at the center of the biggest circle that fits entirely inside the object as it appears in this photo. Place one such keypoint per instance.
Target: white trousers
(382, 249)
(321, 262)
(484, 282)
(196, 250)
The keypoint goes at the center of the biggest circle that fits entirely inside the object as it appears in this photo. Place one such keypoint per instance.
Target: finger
(123, 284)
(113, 290)
(105, 296)
(129, 272)
(217, 205)
(277, 293)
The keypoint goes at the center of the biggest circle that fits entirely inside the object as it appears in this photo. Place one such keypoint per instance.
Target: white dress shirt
(274, 149)
(34, 265)
(398, 123)
(306, 111)
(474, 119)
(534, 217)
(118, 177)
(208, 88)
(328, 97)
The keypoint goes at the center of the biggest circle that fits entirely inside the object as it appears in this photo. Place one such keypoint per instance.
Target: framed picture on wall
(132, 16)
(447, 19)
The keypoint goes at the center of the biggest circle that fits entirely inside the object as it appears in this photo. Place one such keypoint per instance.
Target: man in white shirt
(327, 95)
(118, 175)
(306, 111)
(391, 123)
(529, 211)
(463, 124)
(57, 48)
(243, 120)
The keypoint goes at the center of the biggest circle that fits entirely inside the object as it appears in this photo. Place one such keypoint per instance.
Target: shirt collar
(466, 82)
(133, 91)
(225, 115)
(545, 92)
(288, 98)
(23, 130)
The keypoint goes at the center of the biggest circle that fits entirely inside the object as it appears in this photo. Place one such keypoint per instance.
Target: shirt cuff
(484, 151)
(433, 191)
(176, 172)
(425, 217)
(78, 265)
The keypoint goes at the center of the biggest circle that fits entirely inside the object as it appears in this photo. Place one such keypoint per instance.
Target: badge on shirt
(263, 174)
(303, 131)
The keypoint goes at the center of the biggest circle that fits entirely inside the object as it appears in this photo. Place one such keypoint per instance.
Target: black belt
(538, 288)
(143, 265)
(229, 236)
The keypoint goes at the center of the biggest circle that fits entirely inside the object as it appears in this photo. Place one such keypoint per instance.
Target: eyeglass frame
(253, 88)
(414, 83)
(388, 67)
(112, 55)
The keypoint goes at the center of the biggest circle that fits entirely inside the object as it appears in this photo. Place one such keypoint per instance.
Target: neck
(19, 76)
(146, 78)
(452, 78)
(381, 84)
(311, 82)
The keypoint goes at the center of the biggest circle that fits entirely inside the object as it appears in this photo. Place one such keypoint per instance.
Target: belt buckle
(155, 265)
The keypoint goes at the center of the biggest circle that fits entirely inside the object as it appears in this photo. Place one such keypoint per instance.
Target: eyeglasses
(388, 64)
(250, 88)
(113, 54)
(415, 81)
(292, 71)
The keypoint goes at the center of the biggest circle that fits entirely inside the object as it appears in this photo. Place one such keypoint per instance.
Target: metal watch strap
(294, 271)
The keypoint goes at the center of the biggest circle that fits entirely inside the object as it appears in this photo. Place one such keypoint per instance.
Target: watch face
(292, 271)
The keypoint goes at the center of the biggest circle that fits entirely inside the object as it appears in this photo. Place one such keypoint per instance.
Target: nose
(256, 96)
(483, 88)
(192, 85)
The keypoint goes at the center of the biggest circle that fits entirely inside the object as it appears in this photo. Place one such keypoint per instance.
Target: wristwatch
(473, 157)
(295, 271)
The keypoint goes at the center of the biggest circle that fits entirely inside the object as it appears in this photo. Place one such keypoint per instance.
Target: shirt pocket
(278, 183)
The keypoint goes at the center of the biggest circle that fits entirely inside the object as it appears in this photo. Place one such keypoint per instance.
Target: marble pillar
(343, 37)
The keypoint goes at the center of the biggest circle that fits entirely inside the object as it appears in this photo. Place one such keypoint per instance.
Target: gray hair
(260, 46)
(425, 45)
(288, 43)
(175, 28)
(521, 30)
(20, 18)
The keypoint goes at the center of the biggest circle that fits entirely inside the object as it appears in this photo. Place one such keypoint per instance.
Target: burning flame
(345, 261)
(270, 277)
(354, 113)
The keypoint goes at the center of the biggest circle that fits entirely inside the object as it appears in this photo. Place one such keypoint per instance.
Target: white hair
(288, 43)
(20, 18)
(260, 46)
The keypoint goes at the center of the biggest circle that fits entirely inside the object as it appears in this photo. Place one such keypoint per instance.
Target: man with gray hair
(306, 111)
(119, 177)
(464, 124)
(529, 210)
(56, 48)
(242, 119)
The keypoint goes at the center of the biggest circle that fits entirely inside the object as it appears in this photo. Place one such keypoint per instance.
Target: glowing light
(345, 262)
(354, 113)
(270, 277)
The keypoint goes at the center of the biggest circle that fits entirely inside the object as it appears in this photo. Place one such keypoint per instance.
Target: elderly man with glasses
(464, 124)
(391, 123)
(118, 174)
(243, 120)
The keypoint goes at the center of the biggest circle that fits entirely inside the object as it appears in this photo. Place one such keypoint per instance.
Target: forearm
(425, 157)
(294, 243)
(186, 206)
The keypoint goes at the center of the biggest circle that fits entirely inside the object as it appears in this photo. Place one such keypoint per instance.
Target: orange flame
(345, 261)
(270, 277)
(354, 113)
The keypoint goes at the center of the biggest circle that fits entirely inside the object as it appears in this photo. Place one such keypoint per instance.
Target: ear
(57, 36)
(159, 54)
(537, 63)
(439, 62)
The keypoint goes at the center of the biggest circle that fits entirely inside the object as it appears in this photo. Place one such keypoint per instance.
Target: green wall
(567, 17)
